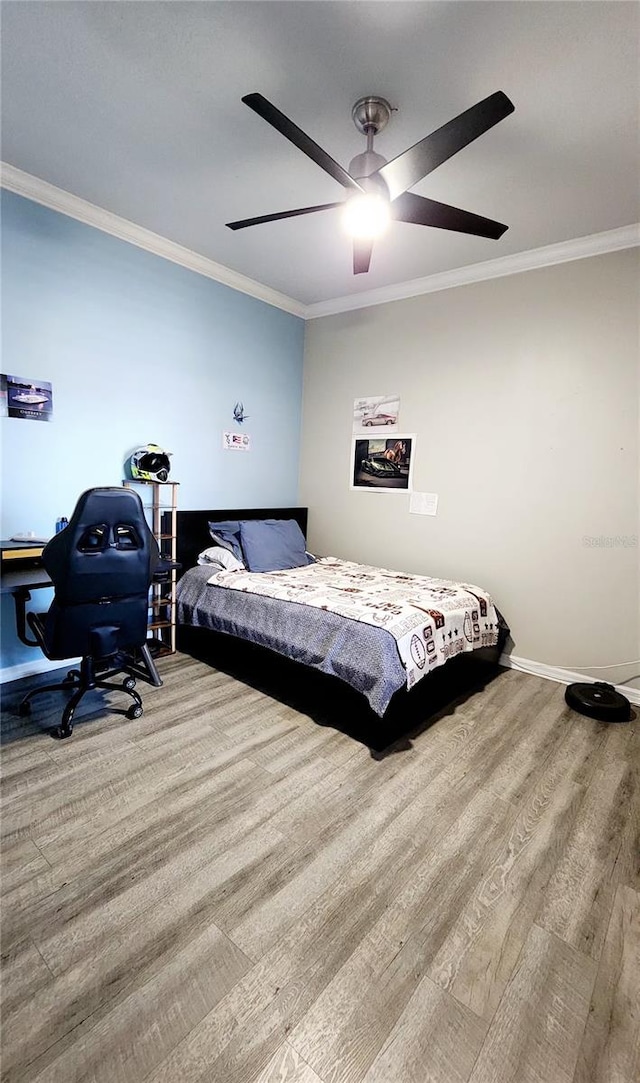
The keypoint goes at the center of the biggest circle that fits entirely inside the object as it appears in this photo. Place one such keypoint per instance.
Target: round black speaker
(599, 701)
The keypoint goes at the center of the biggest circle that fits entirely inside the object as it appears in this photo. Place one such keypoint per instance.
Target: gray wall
(523, 393)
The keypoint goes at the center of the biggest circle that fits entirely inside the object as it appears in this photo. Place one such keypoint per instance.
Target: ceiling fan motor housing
(363, 165)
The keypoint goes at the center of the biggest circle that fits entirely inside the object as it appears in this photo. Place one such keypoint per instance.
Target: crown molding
(613, 240)
(24, 184)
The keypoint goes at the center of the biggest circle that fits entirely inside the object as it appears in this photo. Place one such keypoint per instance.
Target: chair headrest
(106, 551)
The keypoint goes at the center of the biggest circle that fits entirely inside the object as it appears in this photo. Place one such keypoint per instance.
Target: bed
(364, 643)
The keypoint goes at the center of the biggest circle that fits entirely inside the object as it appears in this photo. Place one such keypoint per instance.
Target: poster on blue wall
(26, 398)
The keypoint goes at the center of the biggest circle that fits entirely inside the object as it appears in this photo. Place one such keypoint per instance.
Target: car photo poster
(26, 398)
(383, 463)
(378, 412)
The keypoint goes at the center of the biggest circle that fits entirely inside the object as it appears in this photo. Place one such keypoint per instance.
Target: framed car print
(379, 413)
(383, 463)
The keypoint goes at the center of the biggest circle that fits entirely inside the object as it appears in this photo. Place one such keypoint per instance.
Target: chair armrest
(163, 571)
(20, 597)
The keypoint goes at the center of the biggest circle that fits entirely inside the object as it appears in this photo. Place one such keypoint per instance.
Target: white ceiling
(135, 107)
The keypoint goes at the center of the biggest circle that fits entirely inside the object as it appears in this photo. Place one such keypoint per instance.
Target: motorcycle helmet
(150, 463)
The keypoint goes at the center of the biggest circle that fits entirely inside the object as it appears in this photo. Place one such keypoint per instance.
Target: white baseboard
(561, 676)
(30, 669)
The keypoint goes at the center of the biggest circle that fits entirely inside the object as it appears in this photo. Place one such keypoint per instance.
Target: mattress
(376, 629)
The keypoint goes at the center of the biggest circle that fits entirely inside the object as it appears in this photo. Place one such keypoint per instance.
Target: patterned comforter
(377, 629)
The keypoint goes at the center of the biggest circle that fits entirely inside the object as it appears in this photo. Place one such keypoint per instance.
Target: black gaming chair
(101, 566)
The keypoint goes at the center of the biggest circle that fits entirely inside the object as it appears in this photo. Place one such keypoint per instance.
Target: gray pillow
(271, 545)
(227, 534)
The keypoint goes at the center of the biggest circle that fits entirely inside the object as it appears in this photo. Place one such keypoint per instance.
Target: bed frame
(328, 700)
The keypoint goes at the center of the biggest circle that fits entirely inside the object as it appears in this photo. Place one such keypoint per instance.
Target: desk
(21, 570)
(21, 566)
(20, 550)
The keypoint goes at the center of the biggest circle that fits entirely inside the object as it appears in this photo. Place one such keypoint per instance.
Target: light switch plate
(423, 503)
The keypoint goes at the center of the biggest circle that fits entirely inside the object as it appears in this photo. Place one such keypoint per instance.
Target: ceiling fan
(379, 190)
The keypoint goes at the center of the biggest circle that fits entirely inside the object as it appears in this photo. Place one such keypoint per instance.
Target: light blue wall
(137, 349)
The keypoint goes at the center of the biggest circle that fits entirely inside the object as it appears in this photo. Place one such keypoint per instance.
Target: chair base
(83, 680)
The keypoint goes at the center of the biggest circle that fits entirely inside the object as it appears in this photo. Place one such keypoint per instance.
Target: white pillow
(222, 558)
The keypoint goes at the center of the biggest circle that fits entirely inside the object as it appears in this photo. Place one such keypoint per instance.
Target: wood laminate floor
(223, 891)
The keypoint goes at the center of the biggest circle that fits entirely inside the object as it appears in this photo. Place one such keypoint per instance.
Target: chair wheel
(61, 732)
(129, 684)
(135, 711)
(24, 709)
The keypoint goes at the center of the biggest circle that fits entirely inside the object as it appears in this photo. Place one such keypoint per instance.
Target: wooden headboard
(193, 527)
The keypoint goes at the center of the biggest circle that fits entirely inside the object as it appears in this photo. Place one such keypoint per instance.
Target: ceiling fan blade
(303, 142)
(412, 165)
(426, 212)
(282, 214)
(362, 249)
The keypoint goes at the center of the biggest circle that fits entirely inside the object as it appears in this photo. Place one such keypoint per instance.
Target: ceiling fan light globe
(366, 215)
